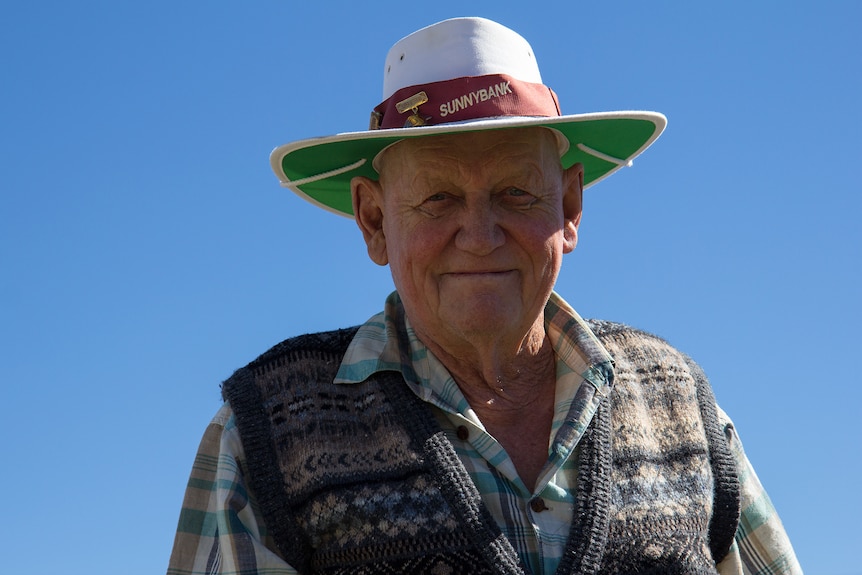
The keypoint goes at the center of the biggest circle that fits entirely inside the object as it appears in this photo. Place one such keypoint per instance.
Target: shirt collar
(387, 342)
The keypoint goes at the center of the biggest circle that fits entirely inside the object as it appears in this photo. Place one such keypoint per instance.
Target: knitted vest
(360, 479)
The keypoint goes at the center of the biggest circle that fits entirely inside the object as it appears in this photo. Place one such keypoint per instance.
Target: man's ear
(573, 196)
(367, 196)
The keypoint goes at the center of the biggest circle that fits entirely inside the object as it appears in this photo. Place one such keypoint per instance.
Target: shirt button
(537, 504)
(463, 433)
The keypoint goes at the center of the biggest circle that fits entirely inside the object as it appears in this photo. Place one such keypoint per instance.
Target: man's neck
(513, 396)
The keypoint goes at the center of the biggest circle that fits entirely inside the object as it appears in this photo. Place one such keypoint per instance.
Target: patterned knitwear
(362, 479)
(658, 450)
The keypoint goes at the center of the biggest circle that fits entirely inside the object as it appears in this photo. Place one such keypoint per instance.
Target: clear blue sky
(146, 250)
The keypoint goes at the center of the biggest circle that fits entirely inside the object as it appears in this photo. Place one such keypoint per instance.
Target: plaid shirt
(221, 531)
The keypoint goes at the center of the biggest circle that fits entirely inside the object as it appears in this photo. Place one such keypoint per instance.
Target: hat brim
(320, 169)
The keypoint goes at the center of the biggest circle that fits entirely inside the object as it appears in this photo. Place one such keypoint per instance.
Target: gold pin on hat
(413, 103)
(374, 123)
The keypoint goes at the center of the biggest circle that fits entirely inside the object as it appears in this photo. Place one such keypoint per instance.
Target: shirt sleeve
(761, 545)
(220, 530)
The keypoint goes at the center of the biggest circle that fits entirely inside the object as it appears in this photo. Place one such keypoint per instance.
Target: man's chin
(482, 316)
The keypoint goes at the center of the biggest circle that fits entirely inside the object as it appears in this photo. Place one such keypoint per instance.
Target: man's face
(473, 227)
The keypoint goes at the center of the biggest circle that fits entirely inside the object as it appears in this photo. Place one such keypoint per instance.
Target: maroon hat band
(467, 98)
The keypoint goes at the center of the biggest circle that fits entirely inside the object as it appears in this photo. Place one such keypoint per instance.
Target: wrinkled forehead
(482, 146)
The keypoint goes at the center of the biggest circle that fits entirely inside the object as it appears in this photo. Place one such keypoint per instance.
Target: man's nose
(480, 232)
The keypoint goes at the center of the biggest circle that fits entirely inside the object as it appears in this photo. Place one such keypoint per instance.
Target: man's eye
(435, 205)
(517, 197)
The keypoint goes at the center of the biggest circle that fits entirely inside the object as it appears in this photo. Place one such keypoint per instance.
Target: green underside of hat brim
(619, 138)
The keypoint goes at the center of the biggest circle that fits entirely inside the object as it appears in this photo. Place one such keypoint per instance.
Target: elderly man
(478, 424)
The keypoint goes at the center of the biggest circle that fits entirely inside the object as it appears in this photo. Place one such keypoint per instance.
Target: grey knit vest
(360, 479)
